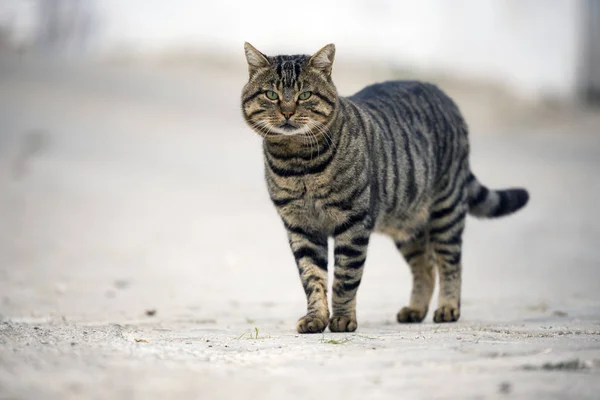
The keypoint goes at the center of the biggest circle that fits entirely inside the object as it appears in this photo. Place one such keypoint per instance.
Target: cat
(392, 159)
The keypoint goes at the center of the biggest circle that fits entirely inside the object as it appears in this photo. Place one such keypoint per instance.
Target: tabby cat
(392, 158)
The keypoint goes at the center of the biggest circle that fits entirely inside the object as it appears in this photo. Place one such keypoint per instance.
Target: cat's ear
(323, 59)
(255, 58)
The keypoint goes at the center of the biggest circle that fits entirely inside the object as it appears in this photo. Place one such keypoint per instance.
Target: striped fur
(393, 159)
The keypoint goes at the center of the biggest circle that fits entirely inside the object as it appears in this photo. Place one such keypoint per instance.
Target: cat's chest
(309, 206)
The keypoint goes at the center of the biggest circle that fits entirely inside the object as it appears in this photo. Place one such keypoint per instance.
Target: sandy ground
(127, 191)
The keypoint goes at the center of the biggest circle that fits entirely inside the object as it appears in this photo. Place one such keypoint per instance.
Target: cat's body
(393, 158)
(402, 187)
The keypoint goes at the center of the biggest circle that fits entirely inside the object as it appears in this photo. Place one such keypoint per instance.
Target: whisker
(321, 130)
(326, 132)
(263, 127)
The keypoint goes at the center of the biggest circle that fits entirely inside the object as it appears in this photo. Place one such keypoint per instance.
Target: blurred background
(129, 181)
(534, 48)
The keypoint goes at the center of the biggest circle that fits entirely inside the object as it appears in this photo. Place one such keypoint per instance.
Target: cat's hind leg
(417, 254)
(446, 243)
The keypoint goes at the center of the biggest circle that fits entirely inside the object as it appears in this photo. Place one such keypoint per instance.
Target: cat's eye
(305, 95)
(271, 95)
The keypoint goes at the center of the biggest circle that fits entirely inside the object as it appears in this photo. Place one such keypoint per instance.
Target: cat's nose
(287, 114)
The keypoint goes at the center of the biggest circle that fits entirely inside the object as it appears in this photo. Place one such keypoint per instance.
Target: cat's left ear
(323, 59)
(255, 58)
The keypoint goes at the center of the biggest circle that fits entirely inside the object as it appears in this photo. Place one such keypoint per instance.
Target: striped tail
(485, 203)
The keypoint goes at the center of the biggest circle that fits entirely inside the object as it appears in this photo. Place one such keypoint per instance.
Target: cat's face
(289, 95)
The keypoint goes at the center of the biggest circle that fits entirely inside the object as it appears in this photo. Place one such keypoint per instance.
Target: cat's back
(386, 94)
(414, 105)
(388, 88)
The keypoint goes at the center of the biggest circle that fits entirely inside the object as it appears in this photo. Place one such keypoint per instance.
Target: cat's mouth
(288, 127)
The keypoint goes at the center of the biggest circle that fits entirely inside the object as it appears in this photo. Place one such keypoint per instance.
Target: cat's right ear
(256, 59)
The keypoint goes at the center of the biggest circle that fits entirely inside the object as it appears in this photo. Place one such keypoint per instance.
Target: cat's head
(289, 95)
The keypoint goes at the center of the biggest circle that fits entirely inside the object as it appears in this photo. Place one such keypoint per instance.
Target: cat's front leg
(310, 252)
(351, 241)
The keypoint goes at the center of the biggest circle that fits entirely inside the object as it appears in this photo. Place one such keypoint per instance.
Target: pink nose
(288, 114)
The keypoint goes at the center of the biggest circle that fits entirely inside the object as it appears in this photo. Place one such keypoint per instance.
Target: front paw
(446, 314)
(342, 323)
(311, 324)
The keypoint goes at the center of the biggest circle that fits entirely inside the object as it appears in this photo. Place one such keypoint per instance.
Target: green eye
(305, 95)
(271, 95)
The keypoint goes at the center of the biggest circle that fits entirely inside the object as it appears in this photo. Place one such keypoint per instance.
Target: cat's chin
(287, 130)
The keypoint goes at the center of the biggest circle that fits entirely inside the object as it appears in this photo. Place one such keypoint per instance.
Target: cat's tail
(486, 203)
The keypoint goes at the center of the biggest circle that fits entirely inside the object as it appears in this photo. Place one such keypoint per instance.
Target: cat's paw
(311, 324)
(410, 315)
(446, 313)
(342, 323)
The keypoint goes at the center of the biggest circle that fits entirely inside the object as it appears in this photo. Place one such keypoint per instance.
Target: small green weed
(252, 336)
(335, 341)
